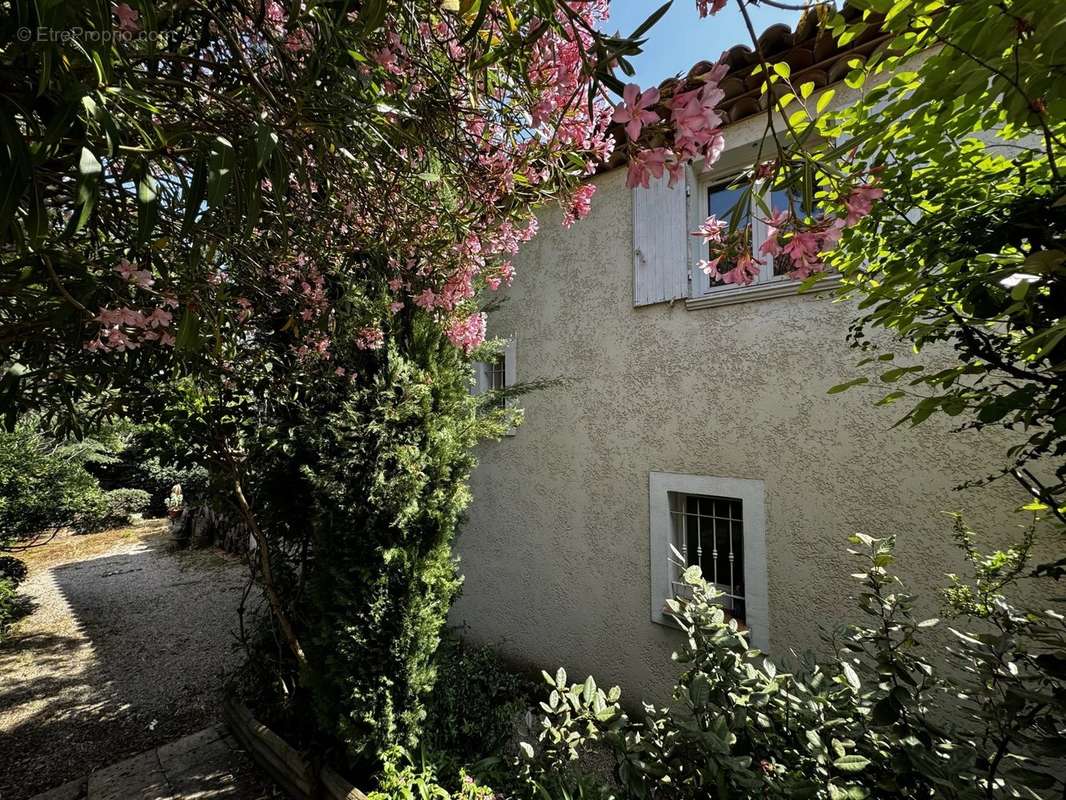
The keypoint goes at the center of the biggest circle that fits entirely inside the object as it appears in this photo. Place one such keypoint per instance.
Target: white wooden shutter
(660, 242)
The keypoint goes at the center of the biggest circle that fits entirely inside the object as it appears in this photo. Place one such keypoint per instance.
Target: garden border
(282, 762)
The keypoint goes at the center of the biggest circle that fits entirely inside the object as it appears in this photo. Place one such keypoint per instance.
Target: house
(694, 416)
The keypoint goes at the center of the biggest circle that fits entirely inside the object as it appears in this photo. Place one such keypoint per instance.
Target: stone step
(207, 765)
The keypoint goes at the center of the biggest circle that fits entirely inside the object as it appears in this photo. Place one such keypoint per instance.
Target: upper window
(750, 210)
(718, 524)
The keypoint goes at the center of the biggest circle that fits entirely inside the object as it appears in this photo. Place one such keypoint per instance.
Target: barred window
(716, 523)
(708, 532)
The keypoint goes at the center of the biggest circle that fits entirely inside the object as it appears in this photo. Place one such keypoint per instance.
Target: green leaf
(824, 99)
(852, 763)
(843, 387)
(219, 171)
(649, 23)
(188, 338)
(850, 675)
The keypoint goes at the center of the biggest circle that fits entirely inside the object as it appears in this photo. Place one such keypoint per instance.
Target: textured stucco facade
(556, 549)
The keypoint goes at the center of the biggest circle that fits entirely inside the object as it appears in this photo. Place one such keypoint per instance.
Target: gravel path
(125, 651)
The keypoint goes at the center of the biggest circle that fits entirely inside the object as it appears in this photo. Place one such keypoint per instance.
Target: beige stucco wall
(556, 550)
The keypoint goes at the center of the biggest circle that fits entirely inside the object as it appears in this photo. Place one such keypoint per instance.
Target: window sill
(758, 291)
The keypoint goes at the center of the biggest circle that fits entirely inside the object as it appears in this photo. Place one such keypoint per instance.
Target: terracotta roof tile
(810, 51)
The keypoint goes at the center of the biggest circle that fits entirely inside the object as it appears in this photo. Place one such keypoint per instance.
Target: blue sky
(681, 38)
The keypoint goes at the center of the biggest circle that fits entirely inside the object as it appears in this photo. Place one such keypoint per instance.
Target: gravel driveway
(125, 651)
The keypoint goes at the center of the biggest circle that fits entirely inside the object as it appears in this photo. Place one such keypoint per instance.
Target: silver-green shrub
(892, 716)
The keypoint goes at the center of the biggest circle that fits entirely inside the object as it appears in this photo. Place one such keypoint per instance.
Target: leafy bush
(882, 720)
(149, 459)
(359, 495)
(12, 573)
(44, 484)
(402, 779)
(111, 509)
(474, 703)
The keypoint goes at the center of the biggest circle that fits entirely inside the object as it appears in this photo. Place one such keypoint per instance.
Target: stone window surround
(752, 493)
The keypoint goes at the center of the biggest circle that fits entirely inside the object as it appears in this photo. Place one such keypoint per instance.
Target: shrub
(882, 720)
(111, 509)
(359, 500)
(44, 485)
(151, 459)
(402, 779)
(474, 703)
(12, 573)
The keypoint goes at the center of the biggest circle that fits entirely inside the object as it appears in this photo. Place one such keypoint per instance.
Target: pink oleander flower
(772, 246)
(396, 307)
(298, 41)
(711, 229)
(644, 166)
(467, 333)
(580, 204)
(803, 249)
(125, 269)
(695, 116)
(159, 318)
(860, 202)
(744, 272)
(426, 299)
(708, 7)
(633, 111)
(275, 13)
(370, 338)
(710, 267)
(127, 18)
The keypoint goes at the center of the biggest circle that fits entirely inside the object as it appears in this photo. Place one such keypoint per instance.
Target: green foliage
(12, 573)
(968, 247)
(360, 493)
(420, 782)
(475, 701)
(155, 460)
(111, 509)
(888, 718)
(44, 484)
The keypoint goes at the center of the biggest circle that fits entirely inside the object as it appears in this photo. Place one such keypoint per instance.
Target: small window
(708, 532)
(718, 524)
(496, 374)
(499, 373)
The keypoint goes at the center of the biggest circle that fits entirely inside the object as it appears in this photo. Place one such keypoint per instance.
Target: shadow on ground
(124, 652)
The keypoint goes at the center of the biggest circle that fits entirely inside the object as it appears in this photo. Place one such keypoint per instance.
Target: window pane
(779, 201)
(721, 202)
(714, 540)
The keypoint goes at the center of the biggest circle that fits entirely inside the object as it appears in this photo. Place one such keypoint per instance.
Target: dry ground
(125, 650)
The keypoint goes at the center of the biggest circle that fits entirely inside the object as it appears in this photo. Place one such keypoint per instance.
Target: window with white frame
(666, 255)
(499, 373)
(731, 201)
(718, 524)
